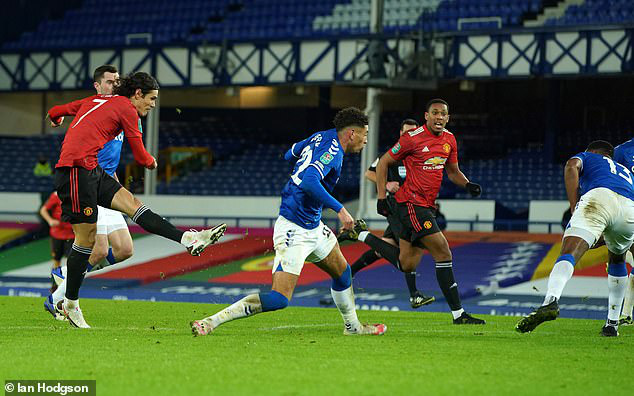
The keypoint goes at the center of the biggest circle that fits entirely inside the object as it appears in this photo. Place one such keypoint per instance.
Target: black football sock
(410, 279)
(448, 285)
(151, 222)
(386, 250)
(76, 270)
(366, 259)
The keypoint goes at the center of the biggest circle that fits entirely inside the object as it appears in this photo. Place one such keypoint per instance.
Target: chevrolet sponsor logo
(436, 161)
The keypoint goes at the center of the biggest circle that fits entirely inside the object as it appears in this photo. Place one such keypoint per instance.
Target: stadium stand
(244, 167)
(216, 20)
(595, 12)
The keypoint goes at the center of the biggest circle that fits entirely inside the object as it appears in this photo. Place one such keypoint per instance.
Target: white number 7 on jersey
(99, 102)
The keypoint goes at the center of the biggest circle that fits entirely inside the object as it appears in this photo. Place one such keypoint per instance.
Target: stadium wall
(545, 211)
(253, 211)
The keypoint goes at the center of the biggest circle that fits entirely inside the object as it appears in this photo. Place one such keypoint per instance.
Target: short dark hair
(101, 70)
(434, 101)
(139, 80)
(603, 146)
(348, 117)
(409, 121)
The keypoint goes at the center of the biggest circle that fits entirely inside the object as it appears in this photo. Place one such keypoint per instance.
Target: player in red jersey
(82, 184)
(61, 232)
(425, 151)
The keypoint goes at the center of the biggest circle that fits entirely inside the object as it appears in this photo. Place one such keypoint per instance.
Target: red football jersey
(98, 120)
(64, 230)
(424, 156)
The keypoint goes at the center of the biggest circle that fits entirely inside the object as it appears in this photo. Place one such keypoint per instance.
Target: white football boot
(197, 241)
(367, 329)
(75, 316)
(201, 328)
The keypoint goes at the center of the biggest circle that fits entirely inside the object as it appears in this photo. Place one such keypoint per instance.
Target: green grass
(143, 348)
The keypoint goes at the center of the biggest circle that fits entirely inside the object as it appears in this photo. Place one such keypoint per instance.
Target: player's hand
(392, 187)
(474, 189)
(53, 223)
(154, 164)
(347, 221)
(382, 207)
(54, 125)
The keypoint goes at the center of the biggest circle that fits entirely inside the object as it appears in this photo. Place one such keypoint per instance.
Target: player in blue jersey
(624, 155)
(601, 196)
(299, 233)
(113, 242)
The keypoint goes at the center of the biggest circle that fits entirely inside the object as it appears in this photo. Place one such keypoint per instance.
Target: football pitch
(137, 348)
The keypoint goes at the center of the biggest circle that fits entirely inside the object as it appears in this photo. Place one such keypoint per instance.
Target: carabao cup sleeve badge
(326, 158)
(396, 148)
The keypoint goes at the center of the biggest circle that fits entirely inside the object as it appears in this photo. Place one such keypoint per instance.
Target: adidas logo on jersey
(426, 149)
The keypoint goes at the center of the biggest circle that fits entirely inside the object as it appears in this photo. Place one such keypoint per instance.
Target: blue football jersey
(323, 151)
(110, 154)
(624, 154)
(601, 171)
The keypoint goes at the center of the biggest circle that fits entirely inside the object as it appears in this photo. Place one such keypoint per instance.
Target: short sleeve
(453, 154)
(327, 156)
(51, 202)
(619, 156)
(580, 156)
(402, 148)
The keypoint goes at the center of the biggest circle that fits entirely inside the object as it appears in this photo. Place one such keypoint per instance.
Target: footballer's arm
(381, 174)
(571, 180)
(57, 113)
(455, 174)
(370, 175)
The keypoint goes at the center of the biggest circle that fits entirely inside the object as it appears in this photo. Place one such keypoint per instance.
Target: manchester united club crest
(88, 211)
(427, 225)
(446, 147)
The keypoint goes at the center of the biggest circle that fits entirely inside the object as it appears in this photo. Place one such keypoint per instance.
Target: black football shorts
(417, 222)
(81, 190)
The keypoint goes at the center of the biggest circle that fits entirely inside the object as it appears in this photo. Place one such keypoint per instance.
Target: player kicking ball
(112, 228)
(299, 234)
(601, 197)
(82, 184)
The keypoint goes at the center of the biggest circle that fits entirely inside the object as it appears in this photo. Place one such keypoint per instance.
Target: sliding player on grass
(300, 235)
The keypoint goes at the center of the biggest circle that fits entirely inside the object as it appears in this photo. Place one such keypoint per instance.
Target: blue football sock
(110, 257)
(272, 301)
(344, 281)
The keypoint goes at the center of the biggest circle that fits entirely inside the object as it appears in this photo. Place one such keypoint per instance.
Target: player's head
(141, 88)
(105, 78)
(408, 124)
(352, 127)
(436, 115)
(601, 147)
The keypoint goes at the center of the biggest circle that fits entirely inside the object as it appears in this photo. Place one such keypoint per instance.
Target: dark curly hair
(350, 116)
(602, 146)
(139, 80)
